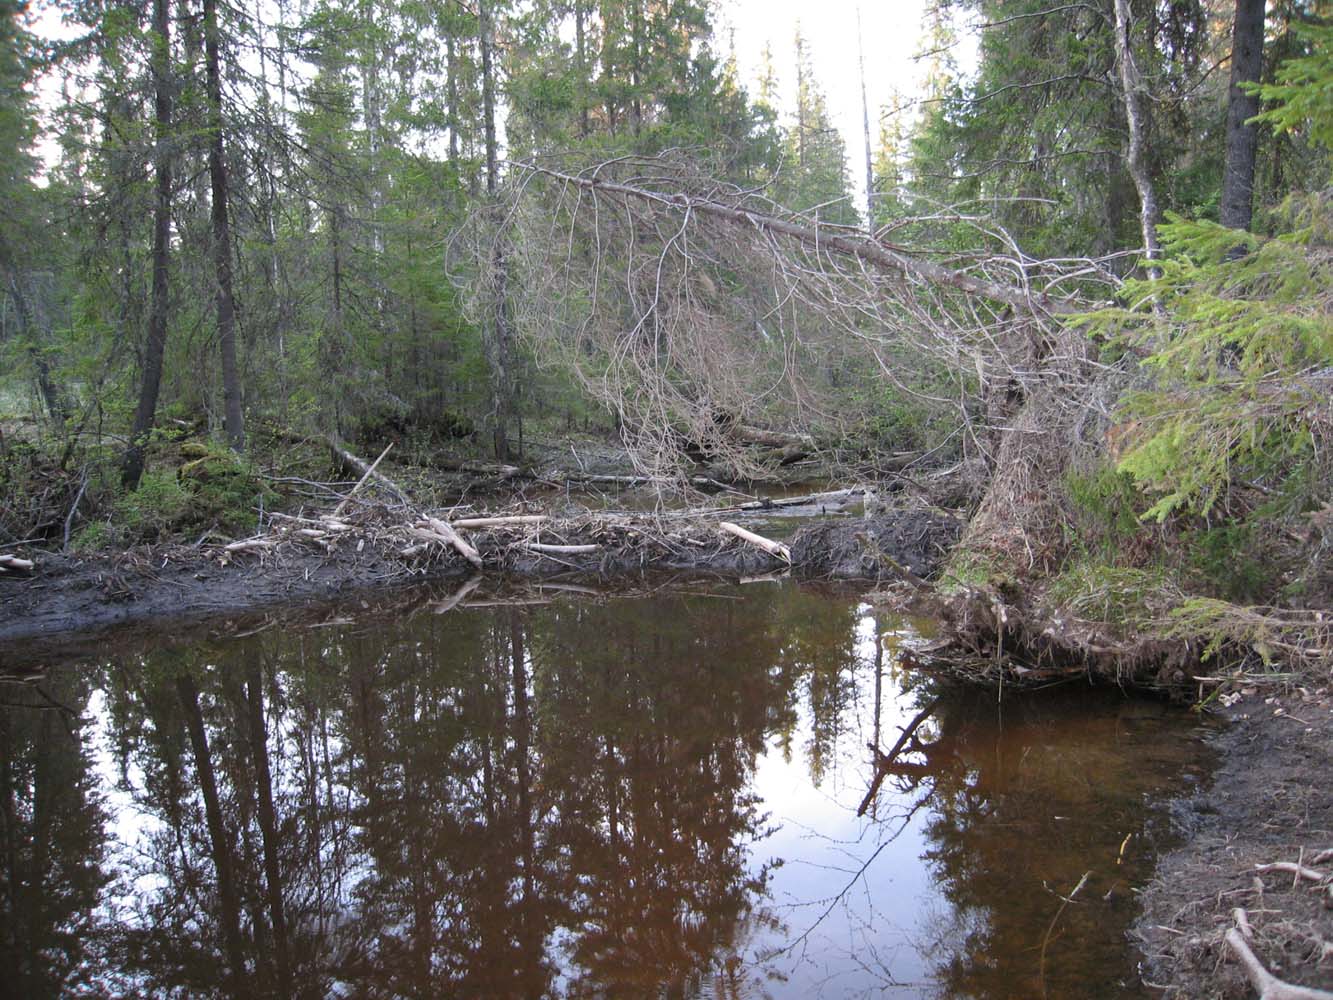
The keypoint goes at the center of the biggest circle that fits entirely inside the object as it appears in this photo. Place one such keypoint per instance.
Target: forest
(533, 303)
(1083, 302)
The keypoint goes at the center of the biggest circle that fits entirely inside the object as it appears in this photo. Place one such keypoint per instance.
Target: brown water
(647, 797)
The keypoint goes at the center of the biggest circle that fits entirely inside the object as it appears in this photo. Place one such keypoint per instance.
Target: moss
(155, 510)
(1106, 506)
(1121, 596)
(223, 491)
(971, 568)
(91, 537)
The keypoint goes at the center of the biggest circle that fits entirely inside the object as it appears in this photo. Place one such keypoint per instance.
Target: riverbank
(69, 604)
(1267, 811)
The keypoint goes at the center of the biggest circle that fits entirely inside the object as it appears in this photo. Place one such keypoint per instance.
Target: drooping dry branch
(715, 324)
(826, 239)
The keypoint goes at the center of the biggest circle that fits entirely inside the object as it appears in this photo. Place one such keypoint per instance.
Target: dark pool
(646, 796)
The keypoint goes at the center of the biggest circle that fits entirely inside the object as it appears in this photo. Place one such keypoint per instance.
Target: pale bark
(775, 549)
(1136, 116)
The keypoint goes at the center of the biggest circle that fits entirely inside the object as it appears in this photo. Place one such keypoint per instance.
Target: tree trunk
(865, 130)
(1136, 116)
(146, 411)
(1242, 139)
(581, 57)
(451, 90)
(36, 328)
(497, 325)
(217, 175)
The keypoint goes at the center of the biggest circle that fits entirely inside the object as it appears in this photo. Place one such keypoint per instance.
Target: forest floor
(1270, 801)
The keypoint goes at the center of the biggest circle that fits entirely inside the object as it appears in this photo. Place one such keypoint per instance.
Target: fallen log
(12, 562)
(775, 549)
(361, 482)
(367, 471)
(828, 498)
(774, 439)
(250, 544)
(483, 469)
(823, 240)
(1290, 867)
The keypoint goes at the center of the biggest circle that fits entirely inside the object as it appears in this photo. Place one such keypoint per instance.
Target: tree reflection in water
(520, 802)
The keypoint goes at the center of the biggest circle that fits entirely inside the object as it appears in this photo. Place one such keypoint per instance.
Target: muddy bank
(1269, 802)
(69, 604)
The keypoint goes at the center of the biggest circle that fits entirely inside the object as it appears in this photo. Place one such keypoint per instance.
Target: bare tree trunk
(1242, 138)
(217, 174)
(865, 130)
(581, 57)
(497, 325)
(1136, 115)
(155, 348)
(217, 833)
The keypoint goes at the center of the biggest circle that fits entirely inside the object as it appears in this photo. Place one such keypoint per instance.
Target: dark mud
(1270, 800)
(69, 605)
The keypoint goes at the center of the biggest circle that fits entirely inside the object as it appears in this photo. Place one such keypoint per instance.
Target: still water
(652, 796)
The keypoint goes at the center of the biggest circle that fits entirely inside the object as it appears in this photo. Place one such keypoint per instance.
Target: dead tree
(693, 308)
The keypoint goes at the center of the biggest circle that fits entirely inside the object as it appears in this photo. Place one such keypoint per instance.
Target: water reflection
(649, 797)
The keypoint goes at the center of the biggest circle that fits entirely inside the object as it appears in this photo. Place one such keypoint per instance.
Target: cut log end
(776, 549)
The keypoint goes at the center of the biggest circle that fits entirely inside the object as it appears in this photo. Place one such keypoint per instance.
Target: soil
(1269, 801)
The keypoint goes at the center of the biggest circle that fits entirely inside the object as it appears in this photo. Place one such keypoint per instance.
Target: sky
(891, 35)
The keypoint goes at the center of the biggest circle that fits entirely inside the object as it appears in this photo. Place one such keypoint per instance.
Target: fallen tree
(696, 310)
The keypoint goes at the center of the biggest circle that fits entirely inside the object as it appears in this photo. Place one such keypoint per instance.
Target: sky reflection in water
(653, 796)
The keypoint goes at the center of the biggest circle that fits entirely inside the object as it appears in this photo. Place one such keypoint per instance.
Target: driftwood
(775, 549)
(1291, 868)
(250, 544)
(1267, 985)
(563, 550)
(11, 562)
(432, 529)
(506, 521)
